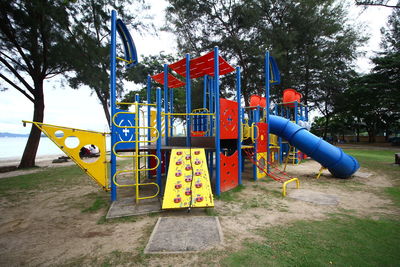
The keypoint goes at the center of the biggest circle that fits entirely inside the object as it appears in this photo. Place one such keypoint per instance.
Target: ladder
(274, 172)
(291, 156)
(136, 155)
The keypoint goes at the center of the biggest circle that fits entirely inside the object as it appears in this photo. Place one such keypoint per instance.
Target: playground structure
(185, 171)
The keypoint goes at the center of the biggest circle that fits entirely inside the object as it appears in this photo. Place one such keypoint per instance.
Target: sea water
(13, 147)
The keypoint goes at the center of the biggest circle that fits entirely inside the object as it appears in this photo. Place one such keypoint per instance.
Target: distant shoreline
(13, 161)
(13, 135)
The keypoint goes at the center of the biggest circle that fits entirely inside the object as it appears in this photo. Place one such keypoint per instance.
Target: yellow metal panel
(188, 181)
(273, 139)
(97, 169)
(153, 123)
(262, 157)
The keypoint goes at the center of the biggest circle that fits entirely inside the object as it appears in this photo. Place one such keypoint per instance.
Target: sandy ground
(48, 228)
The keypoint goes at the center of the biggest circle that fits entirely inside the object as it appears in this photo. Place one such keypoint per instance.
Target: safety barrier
(289, 181)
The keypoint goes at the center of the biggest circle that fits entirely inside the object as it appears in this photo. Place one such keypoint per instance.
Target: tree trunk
(371, 134)
(29, 156)
(358, 135)
(106, 111)
(326, 127)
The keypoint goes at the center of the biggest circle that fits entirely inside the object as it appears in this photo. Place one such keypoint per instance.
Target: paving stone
(184, 234)
(314, 197)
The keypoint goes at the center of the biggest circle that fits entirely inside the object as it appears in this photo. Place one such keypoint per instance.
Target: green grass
(343, 241)
(231, 195)
(394, 193)
(377, 160)
(99, 202)
(43, 180)
(380, 161)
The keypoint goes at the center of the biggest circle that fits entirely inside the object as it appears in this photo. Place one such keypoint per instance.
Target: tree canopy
(33, 40)
(372, 101)
(41, 39)
(313, 59)
(89, 37)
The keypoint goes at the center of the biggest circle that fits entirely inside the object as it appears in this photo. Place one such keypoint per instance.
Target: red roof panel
(173, 82)
(203, 65)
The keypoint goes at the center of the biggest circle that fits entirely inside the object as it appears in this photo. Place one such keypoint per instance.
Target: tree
(317, 61)
(33, 40)
(201, 25)
(384, 3)
(41, 39)
(391, 35)
(243, 29)
(371, 102)
(89, 36)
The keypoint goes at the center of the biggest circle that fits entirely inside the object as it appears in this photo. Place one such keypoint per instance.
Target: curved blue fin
(275, 74)
(129, 45)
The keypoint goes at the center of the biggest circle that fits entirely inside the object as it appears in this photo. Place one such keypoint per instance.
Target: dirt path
(49, 228)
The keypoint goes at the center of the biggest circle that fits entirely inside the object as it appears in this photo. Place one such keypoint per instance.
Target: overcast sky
(81, 109)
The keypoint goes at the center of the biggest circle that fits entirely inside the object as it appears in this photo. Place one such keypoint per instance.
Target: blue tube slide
(333, 158)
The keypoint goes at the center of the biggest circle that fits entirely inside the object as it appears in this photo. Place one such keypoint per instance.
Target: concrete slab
(128, 207)
(184, 234)
(314, 197)
(363, 174)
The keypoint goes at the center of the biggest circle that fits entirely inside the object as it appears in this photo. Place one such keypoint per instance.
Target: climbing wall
(229, 119)
(229, 171)
(188, 183)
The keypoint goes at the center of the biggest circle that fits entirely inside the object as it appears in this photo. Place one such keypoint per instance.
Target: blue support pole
(137, 99)
(188, 101)
(113, 101)
(267, 93)
(166, 124)
(296, 120)
(158, 101)
(204, 118)
(211, 133)
(239, 142)
(280, 138)
(171, 109)
(217, 124)
(148, 98)
(211, 104)
(205, 91)
(256, 118)
(301, 113)
(306, 112)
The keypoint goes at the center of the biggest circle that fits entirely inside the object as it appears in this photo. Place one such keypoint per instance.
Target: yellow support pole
(137, 153)
(320, 172)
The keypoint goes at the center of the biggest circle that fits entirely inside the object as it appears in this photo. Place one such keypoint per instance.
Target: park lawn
(341, 240)
(381, 161)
